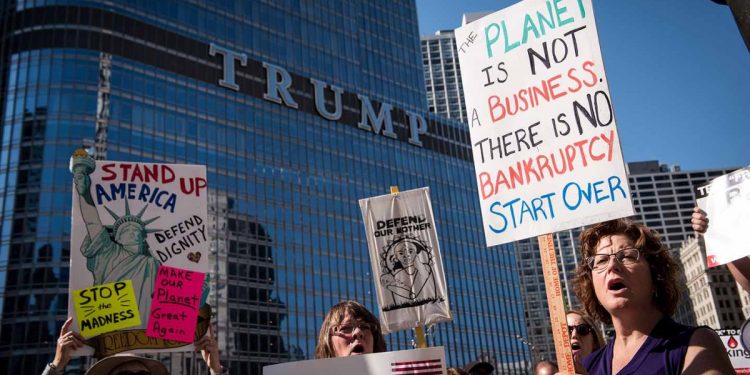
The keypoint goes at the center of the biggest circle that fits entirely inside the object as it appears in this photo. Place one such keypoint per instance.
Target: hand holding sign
(68, 341)
(209, 348)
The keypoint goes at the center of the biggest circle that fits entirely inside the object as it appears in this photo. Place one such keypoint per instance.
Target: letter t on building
(229, 57)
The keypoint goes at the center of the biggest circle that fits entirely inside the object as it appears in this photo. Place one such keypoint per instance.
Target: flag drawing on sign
(426, 367)
(406, 269)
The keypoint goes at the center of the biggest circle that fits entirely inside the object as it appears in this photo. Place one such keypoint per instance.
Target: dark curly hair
(664, 269)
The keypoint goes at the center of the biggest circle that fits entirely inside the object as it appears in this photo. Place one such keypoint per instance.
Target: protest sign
(739, 356)
(405, 259)
(106, 308)
(726, 200)
(127, 220)
(546, 150)
(429, 361)
(174, 308)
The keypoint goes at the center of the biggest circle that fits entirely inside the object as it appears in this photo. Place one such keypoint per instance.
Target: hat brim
(106, 365)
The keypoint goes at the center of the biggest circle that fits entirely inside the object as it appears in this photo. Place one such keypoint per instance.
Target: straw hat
(106, 365)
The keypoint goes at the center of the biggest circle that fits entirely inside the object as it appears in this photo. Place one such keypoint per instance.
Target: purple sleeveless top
(663, 352)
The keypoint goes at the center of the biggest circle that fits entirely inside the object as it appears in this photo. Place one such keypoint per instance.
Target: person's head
(585, 337)
(349, 329)
(641, 276)
(545, 367)
(480, 368)
(456, 371)
(127, 364)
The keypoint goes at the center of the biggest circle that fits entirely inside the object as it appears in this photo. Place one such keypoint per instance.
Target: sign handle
(419, 329)
(556, 305)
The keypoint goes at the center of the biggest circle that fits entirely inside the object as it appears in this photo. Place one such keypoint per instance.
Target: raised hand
(66, 342)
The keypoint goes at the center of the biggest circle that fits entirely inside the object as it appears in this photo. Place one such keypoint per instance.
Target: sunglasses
(583, 329)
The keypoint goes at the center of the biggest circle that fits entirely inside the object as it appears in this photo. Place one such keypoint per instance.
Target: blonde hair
(336, 315)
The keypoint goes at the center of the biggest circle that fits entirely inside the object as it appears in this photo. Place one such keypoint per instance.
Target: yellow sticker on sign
(106, 308)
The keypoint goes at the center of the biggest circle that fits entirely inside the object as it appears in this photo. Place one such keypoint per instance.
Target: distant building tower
(717, 299)
(442, 75)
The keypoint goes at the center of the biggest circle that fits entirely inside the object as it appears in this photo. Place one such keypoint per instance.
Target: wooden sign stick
(556, 306)
(418, 330)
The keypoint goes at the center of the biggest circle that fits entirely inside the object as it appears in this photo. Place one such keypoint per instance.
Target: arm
(210, 351)
(706, 355)
(86, 202)
(67, 342)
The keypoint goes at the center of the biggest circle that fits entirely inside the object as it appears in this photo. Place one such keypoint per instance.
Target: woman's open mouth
(357, 349)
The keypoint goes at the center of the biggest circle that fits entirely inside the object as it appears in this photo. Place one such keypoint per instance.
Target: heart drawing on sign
(194, 257)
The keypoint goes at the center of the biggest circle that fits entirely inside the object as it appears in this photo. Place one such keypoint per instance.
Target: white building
(718, 301)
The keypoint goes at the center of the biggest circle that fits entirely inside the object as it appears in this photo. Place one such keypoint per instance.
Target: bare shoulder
(706, 354)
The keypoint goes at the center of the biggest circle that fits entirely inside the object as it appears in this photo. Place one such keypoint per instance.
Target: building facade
(663, 198)
(718, 301)
(298, 110)
(442, 75)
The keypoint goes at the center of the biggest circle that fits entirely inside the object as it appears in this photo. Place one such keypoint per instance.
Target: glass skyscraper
(298, 109)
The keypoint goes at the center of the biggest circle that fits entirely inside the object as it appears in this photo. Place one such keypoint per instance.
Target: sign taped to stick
(547, 155)
(405, 259)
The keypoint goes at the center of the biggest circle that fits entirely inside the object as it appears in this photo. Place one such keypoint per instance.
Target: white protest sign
(429, 361)
(547, 154)
(127, 220)
(739, 357)
(405, 259)
(726, 200)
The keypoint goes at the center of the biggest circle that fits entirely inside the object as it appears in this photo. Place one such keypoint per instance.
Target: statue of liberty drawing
(118, 251)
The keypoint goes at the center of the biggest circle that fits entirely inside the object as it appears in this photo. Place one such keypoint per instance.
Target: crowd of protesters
(628, 281)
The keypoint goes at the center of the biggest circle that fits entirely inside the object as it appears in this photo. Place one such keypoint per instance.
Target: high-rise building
(298, 109)
(442, 75)
(718, 301)
(663, 198)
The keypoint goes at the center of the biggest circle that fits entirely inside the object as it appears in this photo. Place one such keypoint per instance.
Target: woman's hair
(335, 316)
(664, 269)
(598, 337)
(456, 371)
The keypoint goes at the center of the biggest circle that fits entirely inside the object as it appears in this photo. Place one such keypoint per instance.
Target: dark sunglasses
(583, 329)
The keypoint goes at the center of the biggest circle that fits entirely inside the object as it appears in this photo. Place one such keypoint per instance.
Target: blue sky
(678, 71)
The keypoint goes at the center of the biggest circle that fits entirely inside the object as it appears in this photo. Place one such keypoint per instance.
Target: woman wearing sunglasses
(585, 337)
(629, 280)
(349, 329)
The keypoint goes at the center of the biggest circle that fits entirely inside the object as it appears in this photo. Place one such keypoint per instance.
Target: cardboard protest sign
(405, 259)
(106, 308)
(547, 154)
(726, 200)
(739, 356)
(127, 220)
(429, 361)
(174, 308)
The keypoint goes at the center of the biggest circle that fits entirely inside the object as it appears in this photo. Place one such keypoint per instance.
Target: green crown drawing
(129, 218)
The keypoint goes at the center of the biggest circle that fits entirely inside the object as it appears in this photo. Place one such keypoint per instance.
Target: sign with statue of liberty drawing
(128, 220)
(405, 259)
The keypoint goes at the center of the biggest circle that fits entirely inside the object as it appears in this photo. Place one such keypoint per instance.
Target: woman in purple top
(637, 292)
